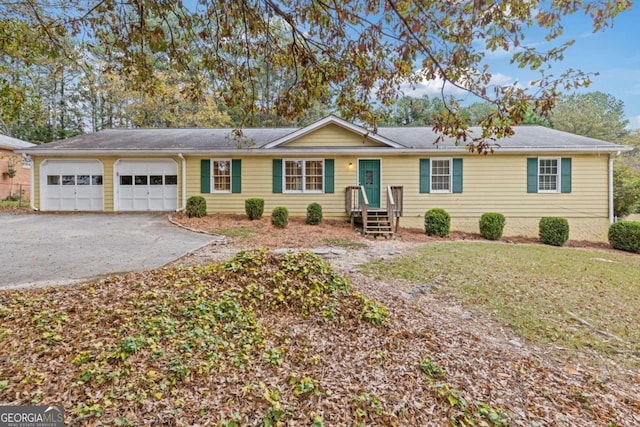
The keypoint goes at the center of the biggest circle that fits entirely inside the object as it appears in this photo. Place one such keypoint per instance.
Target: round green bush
(625, 236)
(254, 208)
(553, 230)
(492, 225)
(314, 213)
(196, 207)
(437, 222)
(280, 217)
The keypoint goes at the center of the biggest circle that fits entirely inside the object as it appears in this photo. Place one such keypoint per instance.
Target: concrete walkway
(52, 249)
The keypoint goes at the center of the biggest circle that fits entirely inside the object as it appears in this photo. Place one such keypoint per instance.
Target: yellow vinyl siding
(490, 183)
(257, 182)
(499, 183)
(332, 136)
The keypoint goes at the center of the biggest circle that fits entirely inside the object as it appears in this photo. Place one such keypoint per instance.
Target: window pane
(53, 179)
(293, 175)
(68, 179)
(83, 179)
(221, 175)
(368, 177)
(313, 175)
(441, 175)
(548, 182)
(548, 167)
(293, 168)
(171, 180)
(140, 180)
(126, 180)
(548, 175)
(155, 179)
(96, 179)
(293, 183)
(440, 183)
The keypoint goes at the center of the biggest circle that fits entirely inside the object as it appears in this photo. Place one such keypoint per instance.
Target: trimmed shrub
(554, 230)
(314, 213)
(254, 208)
(280, 217)
(625, 236)
(492, 225)
(437, 222)
(196, 207)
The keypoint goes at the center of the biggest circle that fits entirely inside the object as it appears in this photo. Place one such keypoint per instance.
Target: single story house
(14, 164)
(347, 169)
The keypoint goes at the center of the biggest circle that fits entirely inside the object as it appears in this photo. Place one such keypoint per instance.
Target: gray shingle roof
(526, 137)
(408, 139)
(13, 143)
(169, 139)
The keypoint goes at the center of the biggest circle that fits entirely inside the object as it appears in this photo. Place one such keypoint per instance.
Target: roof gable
(332, 132)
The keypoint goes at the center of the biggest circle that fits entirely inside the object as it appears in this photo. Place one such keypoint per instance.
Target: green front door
(369, 177)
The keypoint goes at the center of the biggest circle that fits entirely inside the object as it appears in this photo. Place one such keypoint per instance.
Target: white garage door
(71, 185)
(146, 185)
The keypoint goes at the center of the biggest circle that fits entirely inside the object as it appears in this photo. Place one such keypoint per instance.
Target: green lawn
(244, 233)
(570, 297)
(13, 203)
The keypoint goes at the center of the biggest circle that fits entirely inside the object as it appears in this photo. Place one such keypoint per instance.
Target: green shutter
(328, 175)
(565, 175)
(457, 175)
(205, 176)
(236, 176)
(425, 176)
(277, 176)
(532, 175)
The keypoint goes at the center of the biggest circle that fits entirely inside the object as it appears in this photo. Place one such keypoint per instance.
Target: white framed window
(548, 175)
(26, 161)
(220, 176)
(441, 175)
(303, 175)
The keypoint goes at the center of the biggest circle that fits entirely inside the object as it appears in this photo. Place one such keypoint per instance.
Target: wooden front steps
(375, 221)
(377, 224)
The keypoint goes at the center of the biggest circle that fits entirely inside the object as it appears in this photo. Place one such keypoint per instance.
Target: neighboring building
(538, 172)
(14, 164)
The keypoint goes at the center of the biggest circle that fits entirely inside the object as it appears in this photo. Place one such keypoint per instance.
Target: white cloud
(634, 123)
(431, 88)
(435, 87)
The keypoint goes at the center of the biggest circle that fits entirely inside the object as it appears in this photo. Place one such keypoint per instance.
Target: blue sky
(614, 53)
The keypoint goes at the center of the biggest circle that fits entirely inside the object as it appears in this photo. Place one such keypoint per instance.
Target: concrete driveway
(41, 249)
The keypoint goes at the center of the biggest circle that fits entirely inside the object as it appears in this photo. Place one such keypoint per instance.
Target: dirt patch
(480, 354)
(261, 233)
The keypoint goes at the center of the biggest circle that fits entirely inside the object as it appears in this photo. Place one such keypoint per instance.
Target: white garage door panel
(147, 185)
(71, 185)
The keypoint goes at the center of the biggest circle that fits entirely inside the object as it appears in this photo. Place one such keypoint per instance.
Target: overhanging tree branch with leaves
(357, 53)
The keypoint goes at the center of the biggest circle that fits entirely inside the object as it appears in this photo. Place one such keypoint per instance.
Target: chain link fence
(16, 194)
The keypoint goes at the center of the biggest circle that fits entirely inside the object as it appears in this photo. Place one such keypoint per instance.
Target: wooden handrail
(364, 206)
(351, 200)
(391, 204)
(397, 191)
(365, 199)
(398, 197)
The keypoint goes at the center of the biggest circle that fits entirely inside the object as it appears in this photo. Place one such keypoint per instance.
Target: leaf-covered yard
(269, 339)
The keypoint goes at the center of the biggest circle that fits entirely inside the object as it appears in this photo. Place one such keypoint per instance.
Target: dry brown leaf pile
(283, 342)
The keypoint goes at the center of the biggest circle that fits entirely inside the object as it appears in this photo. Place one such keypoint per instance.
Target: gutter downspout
(184, 182)
(32, 184)
(611, 188)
